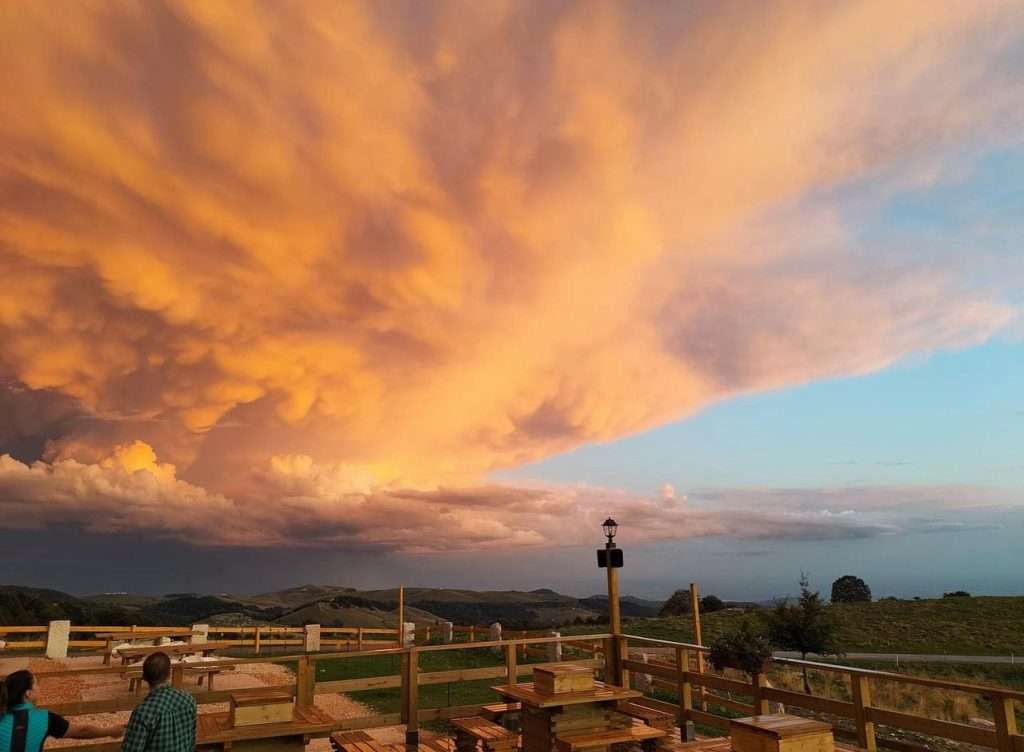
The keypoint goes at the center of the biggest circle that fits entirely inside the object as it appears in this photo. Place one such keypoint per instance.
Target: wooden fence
(676, 674)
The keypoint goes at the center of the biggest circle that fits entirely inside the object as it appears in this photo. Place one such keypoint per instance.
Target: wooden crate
(249, 708)
(780, 733)
(557, 679)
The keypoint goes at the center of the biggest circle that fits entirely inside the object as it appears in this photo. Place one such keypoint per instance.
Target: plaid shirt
(164, 722)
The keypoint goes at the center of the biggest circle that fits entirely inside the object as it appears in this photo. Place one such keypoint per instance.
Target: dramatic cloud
(373, 251)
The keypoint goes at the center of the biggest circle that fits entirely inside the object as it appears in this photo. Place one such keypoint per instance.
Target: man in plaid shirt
(166, 720)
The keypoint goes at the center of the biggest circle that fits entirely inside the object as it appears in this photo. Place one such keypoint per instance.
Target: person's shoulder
(182, 696)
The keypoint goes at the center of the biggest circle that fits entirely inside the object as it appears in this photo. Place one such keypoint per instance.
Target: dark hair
(156, 668)
(14, 688)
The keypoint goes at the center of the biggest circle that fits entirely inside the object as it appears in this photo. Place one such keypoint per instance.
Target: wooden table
(215, 732)
(113, 637)
(131, 655)
(547, 717)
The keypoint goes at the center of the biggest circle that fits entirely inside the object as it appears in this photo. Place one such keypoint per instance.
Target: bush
(741, 648)
(850, 589)
(957, 594)
(711, 603)
(677, 605)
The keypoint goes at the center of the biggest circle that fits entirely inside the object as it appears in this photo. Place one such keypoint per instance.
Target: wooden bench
(652, 717)
(500, 710)
(602, 739)
(340, 738)
(436, 744)
(134, 675)
(495, 738)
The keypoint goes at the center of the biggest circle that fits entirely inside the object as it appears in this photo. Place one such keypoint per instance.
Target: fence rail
(676, 673)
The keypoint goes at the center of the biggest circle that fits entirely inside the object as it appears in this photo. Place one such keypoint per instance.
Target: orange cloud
(434, 242)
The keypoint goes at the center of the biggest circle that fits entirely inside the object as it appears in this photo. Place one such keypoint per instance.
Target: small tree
(711, 603)
(741, 648)
(850, 589)
(806, 626)
(677, 605)
(957, 594)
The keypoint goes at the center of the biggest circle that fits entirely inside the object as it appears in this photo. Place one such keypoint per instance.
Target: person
(166, 720)
(24, 728)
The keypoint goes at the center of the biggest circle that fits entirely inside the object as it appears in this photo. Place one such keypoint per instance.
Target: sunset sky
(368, 293)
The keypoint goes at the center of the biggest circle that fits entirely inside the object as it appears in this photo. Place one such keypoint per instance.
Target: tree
(711, 603)
(806, 626)
(957, 594)
(850, 589)
(677, 605)
(741, 648)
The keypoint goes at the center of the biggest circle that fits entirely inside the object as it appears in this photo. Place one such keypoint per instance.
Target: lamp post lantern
(610, 558)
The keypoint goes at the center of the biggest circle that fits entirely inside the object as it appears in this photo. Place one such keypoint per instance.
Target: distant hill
(628, 605)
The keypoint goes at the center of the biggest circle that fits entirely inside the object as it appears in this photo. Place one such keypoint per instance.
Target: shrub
(742, 648)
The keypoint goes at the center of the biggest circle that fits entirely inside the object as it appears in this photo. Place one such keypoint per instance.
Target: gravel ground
(60, 689)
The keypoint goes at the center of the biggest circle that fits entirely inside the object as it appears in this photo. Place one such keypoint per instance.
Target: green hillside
(965, 626)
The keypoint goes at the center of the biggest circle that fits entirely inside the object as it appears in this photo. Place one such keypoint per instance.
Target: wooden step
(477, 728)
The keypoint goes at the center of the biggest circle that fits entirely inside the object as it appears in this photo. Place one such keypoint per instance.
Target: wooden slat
(801, 700)
(727, 702)
(708, 719)
(720, 682)
(960, 732)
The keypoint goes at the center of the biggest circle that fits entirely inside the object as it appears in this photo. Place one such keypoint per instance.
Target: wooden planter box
(780, 733)
(555, 680)
(251, 708)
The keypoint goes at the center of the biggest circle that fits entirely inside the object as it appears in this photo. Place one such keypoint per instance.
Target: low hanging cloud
(421, 242)
(294, 501)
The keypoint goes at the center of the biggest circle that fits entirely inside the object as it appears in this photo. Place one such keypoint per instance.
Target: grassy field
(964, 626)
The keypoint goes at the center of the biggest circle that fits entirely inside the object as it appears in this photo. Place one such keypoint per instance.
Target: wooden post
(525, 648)
(471, 633)
(401, 616)
(510, 662)
(257, 639)
(410, 693)
(1005, 718)
(687, 732)
(759, 682)
(305, 681)
(614, 620)
(861, 690)
(695, 612)
(177, 676)
(359, 638)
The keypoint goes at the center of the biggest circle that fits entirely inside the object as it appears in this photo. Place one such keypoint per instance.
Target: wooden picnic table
(111, 638)
(580, 719)
(215, 731)
(131, 655)
(134, 673)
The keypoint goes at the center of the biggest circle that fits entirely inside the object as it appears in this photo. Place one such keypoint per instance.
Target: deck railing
(675, 673)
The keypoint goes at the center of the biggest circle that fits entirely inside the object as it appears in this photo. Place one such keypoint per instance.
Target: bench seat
(499, 710)
(340, 738)
(573, 742)
(495, 738)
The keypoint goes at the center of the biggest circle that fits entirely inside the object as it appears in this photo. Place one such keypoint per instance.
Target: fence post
(410, 694)
(861, 691)
(471, 633)
(759, 681)
(311, 643)
(256, 639)
(177, 676)
(622, 654)
(511, 669)
(687, 731)
(58, 634)
(554, 649)
(608, 649)
(203, 636)
(359, 638)
(305, 681)
(1006, 722)
(447, 632)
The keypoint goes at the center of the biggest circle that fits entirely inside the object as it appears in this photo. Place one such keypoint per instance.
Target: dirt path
(60, 689)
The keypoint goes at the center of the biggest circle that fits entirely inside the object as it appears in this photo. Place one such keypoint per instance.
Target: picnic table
(132, 655)
(134, 674)
(576, 720)
(112, 638)
(216, 732)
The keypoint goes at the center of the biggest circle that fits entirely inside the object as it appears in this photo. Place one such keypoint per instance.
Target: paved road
(912, 658)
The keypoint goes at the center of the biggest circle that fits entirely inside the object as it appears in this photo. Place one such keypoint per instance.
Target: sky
(369, 293)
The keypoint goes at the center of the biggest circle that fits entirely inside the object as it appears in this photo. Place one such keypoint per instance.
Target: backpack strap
(19, 732)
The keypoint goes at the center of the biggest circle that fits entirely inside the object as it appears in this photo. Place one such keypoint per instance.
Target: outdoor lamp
(609, 557)
(610, 526)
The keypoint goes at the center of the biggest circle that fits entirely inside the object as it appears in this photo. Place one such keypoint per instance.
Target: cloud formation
(416, 243)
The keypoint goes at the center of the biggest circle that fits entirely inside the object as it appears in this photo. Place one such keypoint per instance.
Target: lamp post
(610, 558)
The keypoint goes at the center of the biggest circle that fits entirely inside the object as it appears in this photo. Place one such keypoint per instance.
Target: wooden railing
(675, 673)
(679, 676)
(305, 686)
